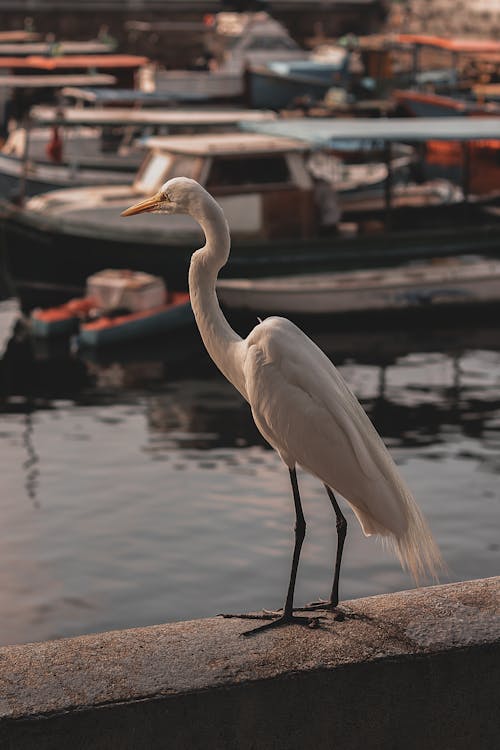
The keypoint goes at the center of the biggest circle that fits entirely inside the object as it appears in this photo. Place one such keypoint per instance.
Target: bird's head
(180, 195)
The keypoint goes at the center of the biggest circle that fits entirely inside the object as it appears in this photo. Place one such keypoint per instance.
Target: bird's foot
(324, 605)
(277, 619)
(308, 622)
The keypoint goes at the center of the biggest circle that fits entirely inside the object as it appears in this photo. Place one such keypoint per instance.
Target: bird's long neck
(221, 342)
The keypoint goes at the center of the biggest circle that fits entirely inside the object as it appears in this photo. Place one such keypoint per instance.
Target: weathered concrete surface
(417, 669)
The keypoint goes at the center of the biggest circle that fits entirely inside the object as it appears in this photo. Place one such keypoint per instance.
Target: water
(137, 490)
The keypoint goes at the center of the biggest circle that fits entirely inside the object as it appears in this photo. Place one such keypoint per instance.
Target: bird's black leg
(341, 535)
(300, 532)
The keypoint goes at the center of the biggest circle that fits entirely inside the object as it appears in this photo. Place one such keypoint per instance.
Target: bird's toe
(309, 622)
(324, 605)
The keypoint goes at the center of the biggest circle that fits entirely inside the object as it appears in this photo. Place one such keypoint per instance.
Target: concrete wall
(417, 669)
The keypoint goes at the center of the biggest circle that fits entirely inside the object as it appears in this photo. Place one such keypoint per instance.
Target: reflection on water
(136, 488)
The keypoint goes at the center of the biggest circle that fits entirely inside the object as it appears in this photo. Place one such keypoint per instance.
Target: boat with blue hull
(113, 331)
(278, 85)
(119, 306)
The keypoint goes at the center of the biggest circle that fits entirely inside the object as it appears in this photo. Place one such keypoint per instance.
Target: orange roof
(75, 61)
(453, 44)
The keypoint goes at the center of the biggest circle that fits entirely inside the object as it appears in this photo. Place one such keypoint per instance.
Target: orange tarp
(74, 61)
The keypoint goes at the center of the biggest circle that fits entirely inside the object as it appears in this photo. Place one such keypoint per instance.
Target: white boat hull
(424, 285)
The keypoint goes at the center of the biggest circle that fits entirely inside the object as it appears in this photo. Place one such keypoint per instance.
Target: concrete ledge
(416, 669)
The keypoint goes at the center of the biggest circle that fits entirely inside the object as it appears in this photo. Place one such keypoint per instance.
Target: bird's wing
(304, 408)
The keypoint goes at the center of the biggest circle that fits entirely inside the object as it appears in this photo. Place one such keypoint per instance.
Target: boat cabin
(261, 182)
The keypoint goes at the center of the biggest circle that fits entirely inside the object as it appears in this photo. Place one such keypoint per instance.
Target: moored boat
(451, 281)
(263, 184)
(62, 320)
(235, 41)
(278, 85)
(119, 306)
(110, 330)
(70, 146)
(279, 219)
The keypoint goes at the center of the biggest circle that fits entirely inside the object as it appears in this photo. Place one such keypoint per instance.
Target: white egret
(301, 405)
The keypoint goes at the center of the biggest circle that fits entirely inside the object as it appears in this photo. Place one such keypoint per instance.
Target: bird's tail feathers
(415, 546)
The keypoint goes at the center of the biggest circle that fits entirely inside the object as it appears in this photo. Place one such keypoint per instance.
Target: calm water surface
(137, 490)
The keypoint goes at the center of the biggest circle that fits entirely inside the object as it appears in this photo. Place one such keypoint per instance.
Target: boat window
(160, 167)
(182, 166)
(151, 176)
(253, 170)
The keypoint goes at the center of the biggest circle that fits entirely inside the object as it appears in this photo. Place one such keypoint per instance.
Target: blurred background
(353, 149)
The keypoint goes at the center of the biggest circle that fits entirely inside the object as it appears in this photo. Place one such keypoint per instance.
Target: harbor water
(137, 490)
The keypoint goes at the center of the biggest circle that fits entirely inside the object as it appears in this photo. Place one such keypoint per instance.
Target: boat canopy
(321, 131)
(225, 163)
(211, 144)
(95, 116)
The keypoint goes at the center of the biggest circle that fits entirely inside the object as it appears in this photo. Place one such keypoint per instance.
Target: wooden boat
(62, 320)
(472, 139)
(483, 156)
(234, 42)
(278, 85)
(115, 330)
(96, 146)
(451, 281)
(269, 197)
(428, 65)
(119, 306)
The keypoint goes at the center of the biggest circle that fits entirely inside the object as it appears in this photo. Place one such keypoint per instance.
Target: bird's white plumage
(299, 401)
(304, 408)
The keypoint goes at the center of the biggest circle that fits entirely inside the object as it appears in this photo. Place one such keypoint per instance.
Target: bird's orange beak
(143, 206)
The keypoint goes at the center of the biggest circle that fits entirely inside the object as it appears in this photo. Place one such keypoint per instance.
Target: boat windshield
(161, 166)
